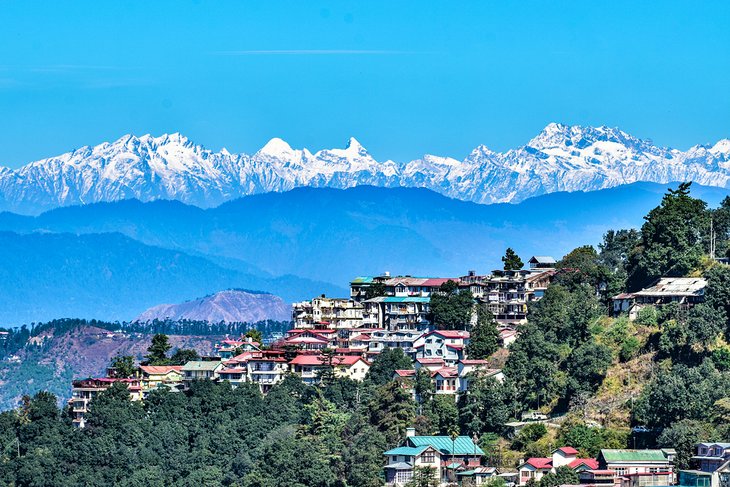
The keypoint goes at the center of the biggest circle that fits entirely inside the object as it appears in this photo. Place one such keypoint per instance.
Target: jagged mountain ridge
(229, 306)
(560, 158)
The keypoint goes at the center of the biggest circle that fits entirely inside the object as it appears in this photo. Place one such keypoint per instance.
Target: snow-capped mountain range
(560, 158)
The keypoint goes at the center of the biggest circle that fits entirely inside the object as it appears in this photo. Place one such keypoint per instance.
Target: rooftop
(462, 445)
(675, 286)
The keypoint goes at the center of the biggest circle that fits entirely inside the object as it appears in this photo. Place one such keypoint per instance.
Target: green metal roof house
(446, 455)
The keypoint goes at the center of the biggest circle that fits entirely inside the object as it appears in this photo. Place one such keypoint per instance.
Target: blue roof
(406, 450)
(462, 445)
(406, 299)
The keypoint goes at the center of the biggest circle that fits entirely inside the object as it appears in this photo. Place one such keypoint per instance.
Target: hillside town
(342, 337)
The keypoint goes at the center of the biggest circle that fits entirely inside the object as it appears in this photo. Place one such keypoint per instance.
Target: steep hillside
(560, 158)
(51, 361)
(231, 306)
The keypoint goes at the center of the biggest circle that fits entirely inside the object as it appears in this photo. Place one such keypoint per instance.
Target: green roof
(362, 280)
(633, 456)
(406, 450)
(201, 365)
(463, 445)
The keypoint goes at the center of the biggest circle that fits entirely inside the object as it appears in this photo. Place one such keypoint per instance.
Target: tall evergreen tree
(512, 261)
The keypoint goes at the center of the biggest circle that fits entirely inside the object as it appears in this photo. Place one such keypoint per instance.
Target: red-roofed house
(446, 380)
(535, 468)
(154, 376)
(432, 363)
(310, 367)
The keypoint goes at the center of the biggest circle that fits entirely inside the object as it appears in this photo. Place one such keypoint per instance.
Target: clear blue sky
(405, 78)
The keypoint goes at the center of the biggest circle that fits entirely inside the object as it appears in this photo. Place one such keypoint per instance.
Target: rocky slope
(560, 158)
(231, 306)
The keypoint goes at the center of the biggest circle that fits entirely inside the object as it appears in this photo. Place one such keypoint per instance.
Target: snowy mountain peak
(722, 147)
(559, 158)
(276, 147)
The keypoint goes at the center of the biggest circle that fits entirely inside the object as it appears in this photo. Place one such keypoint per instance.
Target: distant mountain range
(230, 306)
(560, 158)
(114, 260)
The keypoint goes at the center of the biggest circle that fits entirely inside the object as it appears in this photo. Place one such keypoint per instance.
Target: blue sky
(405, 78)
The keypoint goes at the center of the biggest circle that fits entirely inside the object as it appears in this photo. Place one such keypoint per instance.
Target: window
(403, 476)
(620, 471)
(428, 457)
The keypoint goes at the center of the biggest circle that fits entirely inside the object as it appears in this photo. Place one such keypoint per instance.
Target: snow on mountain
(559, 158)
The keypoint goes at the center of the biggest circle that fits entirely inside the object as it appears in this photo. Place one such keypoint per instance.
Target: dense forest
(662, 379)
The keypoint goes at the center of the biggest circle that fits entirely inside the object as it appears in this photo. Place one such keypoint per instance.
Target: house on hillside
(448, 345)
(711, 467)
(534, 468)
(470, 368)
(685, 291)
(200, 370)
(85, 390)
(448, 456)
(640, 468)
(331, 312)
(156, 376)
(311, 367)
(542, 262)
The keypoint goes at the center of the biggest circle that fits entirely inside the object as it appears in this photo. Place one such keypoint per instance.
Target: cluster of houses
(342, 336)
(456, 459)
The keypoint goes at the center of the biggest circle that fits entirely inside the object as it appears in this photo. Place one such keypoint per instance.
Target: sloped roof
(462, 445)
(633, 455)
(675, 286)
(160, 369)
(542, 259)
(201, 365)
(407, 450)
(591, 463)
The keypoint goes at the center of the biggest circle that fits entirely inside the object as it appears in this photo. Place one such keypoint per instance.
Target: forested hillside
(48, 356)
(662, 379)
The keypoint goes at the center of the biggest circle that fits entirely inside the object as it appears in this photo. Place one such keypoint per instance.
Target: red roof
(475, 362)
(446, 372)
(160, 369)
(362, 338)
(437, 281)
(430, 361)
(451, 333)
(591, 463)
(234, 370)
(405, 373)
(318, 360)
(540, 462)
(568, 450)
(455, 347)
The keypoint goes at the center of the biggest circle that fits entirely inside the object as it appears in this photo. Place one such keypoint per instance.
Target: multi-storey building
(85, 390)
(404, 339)
(328, 312)
(403, 300)
(445, 344)
(711, 467)
(397, 312)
